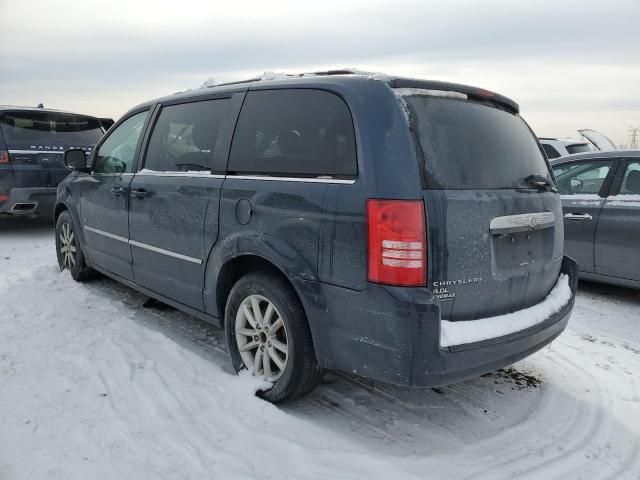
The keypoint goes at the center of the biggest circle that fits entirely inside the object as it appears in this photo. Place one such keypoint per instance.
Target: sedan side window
(117, 152)
(583, 177)
(631, 181)
(185, 136)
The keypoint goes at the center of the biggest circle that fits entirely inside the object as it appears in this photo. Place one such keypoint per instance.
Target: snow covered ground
(94, 386)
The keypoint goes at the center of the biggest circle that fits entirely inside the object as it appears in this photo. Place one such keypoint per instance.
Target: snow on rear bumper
(472, 331)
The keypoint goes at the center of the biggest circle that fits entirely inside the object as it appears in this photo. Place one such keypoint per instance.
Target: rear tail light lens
(3, 198)
(397, 242)
(4, 156)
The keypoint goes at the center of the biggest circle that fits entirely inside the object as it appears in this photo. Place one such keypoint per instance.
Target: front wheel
(68, 249)
(267, 333)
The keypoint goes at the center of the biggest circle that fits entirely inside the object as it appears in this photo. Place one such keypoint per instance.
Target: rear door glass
(294, 132)
(185, 136)
(631, 180)
(33, 129)
(468, 145)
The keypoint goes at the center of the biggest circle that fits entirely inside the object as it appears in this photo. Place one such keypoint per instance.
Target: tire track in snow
(586, 426)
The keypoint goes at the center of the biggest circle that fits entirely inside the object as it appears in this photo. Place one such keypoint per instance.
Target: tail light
(397, 242)
(3, 197)
(4, 156)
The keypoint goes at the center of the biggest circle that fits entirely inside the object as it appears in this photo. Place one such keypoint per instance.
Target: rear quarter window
(469, 145)
(550, 151)
(294, 132)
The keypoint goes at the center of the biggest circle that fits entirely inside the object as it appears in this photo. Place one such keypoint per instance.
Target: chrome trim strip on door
(107, 234)
(146, 246)
(204, 174)
(522, 222)
(293, 179)
(162, 251)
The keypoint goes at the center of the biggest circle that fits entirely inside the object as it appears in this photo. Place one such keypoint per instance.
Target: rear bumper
(392, 334)
(24, 201)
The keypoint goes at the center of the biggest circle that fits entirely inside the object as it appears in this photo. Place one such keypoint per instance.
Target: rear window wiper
(541, 182)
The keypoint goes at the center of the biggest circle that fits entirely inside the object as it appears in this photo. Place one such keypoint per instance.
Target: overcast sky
(569, 64)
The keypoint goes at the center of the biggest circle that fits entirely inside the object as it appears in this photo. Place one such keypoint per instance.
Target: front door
(175, 197)
(104, 201)
(580, 185)
(617, 244)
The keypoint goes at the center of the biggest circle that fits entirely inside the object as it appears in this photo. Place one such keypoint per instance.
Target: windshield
(29, 129)
(467, 145)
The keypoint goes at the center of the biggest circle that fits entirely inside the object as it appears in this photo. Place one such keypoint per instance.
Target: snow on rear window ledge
(471, 331)
(401, 93)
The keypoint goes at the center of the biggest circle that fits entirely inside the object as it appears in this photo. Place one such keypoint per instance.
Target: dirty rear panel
(495, 240)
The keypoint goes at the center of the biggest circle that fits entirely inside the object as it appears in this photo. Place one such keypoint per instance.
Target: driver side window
(581, 178)
(116, 154)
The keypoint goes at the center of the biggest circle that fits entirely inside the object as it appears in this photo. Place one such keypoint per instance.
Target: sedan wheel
(261, 336)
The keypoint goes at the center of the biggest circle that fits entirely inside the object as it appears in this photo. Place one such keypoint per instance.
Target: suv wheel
(267, 333)
(68, 249)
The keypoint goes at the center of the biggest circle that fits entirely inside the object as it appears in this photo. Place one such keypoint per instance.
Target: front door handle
(581, 217)
(140, 192)
(117, 191)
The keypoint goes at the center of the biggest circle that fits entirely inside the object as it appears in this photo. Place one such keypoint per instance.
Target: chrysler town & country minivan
(403, 230)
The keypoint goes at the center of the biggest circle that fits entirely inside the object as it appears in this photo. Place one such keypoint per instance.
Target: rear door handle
(117, 191)
(141, 192)
(581, 217)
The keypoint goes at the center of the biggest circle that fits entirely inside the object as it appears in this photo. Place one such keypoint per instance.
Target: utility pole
(634, 132)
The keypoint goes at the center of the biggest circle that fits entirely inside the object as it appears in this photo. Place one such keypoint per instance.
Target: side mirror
(576, 184)
(76, 159)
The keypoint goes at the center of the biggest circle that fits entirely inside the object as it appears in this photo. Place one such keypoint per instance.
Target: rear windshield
(26, 129)
(467, 145)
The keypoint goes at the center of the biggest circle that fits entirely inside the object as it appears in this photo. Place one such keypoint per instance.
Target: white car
(560, 147)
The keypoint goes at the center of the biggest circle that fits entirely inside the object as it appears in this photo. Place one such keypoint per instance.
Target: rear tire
(68, 249)
(267, 333)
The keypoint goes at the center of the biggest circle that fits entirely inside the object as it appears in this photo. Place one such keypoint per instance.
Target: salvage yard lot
(94, 385)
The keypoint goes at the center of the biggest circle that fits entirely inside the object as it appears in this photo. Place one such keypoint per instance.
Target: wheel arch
(58, 209)
(235, 268)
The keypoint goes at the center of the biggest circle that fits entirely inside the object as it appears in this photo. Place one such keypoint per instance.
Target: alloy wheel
(261, 336)
(67, 246)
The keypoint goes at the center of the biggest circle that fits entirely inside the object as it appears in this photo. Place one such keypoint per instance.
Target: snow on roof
(273, 75)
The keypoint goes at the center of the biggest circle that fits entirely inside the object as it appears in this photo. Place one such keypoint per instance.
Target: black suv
(404, 230)
(32, 144)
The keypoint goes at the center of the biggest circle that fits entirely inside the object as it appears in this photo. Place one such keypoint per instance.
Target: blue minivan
(403, 230)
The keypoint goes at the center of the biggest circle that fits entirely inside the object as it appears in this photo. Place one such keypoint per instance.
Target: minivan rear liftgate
(495, 232)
